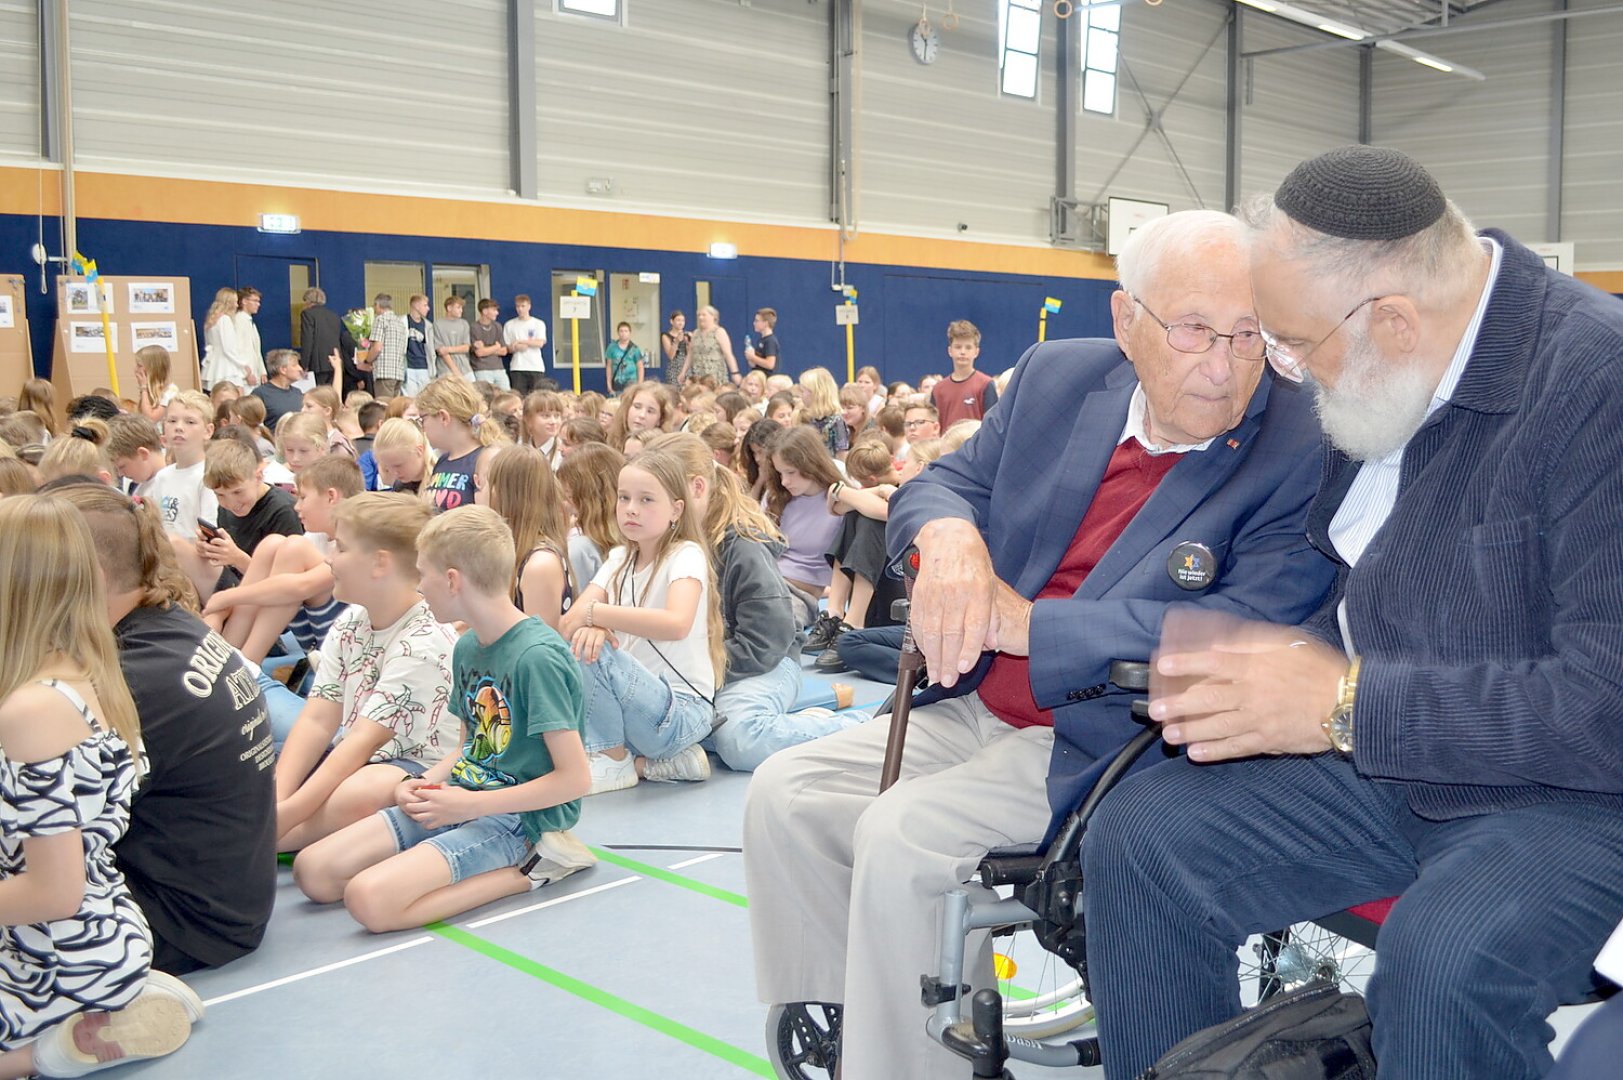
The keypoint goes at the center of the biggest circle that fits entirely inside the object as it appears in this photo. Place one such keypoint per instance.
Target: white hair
(1175, 234)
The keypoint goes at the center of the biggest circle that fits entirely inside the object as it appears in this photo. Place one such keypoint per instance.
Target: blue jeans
(1500, 918)
(283, 705)
(630, 706)
(754, 721)
(416, 379)
(477, 846)
(874, 653)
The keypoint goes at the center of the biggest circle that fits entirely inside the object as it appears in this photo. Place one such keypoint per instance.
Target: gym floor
(641, 965)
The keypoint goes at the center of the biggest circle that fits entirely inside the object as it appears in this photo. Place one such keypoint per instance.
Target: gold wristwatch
(1340, 724)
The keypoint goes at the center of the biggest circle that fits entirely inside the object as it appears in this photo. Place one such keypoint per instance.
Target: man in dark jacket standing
(322, 334)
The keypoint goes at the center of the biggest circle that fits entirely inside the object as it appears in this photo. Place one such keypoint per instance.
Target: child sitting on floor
(380, 682)
(493, 820)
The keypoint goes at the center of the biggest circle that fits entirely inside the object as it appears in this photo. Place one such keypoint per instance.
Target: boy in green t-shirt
(492, 821)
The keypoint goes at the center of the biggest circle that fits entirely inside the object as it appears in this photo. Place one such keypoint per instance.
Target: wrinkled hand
(434, 806)
(1226, 688)
(1011, 622)
(587, 642)
(954, 611)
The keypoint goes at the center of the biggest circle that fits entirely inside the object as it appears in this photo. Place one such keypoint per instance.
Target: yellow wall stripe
(209, 202)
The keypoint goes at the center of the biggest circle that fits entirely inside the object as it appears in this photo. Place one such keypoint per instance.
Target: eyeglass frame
(1294, 368)
(1211, 341)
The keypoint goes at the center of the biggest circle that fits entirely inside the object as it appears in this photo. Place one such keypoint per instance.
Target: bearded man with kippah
(1446, 729)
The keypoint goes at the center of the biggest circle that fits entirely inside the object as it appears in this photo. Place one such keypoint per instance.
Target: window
(1101, 38)
(608, 10)
(1019, 36)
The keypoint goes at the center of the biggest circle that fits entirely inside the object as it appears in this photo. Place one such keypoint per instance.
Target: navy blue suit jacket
(1488, 609)
(1026, 480)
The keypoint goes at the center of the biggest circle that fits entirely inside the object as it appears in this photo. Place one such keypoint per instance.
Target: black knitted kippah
(1362, 193)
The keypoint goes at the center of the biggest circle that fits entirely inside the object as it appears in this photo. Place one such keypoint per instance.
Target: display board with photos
(141, 311)
(16, 351)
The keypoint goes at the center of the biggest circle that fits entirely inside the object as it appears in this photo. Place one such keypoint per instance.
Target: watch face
(926, 43)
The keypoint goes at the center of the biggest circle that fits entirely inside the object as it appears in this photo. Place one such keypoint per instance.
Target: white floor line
(607, 885)
(322, 970)
(702, 858)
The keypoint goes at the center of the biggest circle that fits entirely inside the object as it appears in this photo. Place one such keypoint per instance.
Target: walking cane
(909, 671)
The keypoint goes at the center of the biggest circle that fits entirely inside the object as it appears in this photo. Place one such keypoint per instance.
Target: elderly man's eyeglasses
(1290, 360)
(1194, 337)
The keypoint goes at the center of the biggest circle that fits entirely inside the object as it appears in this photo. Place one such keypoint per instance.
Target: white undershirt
(1135, 429)
(1374, 490)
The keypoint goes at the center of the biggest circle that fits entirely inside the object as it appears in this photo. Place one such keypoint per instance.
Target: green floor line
(659, 873)
(587, 992)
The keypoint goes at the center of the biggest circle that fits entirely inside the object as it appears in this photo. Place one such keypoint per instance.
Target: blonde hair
(823, 392)
(225, 303)
(52, 601)
(521, 488)
(462, 403)
(384, 521)
(129, 432)
(475, 541)
(588, 476)
(757, 377)
(402, 434)
(356, 398)
(39, 398)
(300, 425)
(327, 398)
(543, 403)
(590, 403)
(667, 471)
(332, 472)
(870, 462)
(15, 479)
(853, 396)
(963, 329)
(926, 450)
(131, 545)
(227, 462)
(80, 454)
(730, 506)
(958, 434)
(872, 373)
(155, 359)
(197, 401)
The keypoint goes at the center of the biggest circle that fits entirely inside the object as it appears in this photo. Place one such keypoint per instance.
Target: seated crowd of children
(403, 639)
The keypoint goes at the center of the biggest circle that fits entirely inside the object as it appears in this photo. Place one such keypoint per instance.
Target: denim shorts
(410, 766)
(488, 843)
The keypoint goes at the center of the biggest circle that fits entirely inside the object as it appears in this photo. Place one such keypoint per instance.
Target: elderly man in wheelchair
(1113, 480)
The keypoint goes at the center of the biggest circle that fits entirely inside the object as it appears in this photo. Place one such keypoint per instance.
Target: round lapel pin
(1192, 566)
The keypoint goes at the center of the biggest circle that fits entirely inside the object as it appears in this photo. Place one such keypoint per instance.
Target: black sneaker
(830, 660)
(823, 632)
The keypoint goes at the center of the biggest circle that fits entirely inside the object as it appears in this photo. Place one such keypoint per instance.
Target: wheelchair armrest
(1130, 674)
(1017, 870)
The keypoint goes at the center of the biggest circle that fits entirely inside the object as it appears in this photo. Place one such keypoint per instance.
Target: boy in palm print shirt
(378, 711)
(494, 820)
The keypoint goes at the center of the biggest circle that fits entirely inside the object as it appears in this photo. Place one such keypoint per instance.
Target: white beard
(1375, 407)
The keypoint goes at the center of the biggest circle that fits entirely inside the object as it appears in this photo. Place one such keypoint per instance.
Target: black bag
(1315, 1032)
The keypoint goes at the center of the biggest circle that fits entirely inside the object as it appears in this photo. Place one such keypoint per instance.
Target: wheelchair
(1051, 1027)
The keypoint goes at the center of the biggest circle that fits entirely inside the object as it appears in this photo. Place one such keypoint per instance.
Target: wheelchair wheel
(803, 1039)
(1056, 1012)
(1285, 959)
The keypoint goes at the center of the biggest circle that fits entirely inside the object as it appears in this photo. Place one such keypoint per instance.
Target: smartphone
(206, 531)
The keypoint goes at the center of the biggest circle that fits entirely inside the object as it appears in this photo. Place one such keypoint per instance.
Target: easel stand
(16, 350)
(75, 372)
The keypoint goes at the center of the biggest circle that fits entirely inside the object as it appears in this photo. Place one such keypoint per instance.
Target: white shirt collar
(1456, 367)
(1135, 429)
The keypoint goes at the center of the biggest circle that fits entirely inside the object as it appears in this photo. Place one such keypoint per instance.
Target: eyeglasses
(917, 423)
(1290, 360)
(418, 419)
(1194, 337)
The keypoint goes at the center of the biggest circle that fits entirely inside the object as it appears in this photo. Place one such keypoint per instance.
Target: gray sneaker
(554, 857)
(691, 764)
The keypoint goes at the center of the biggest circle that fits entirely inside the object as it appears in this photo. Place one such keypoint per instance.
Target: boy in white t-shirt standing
(525, 335)
(382, 683)
(177, 489)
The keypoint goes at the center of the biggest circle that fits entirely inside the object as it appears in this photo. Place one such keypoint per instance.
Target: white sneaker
(162, 982)
(554, 857)
(156, 1023)
(691, 764)
(611, 775)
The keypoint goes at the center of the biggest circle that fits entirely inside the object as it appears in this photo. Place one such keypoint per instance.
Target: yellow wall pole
(574, 343)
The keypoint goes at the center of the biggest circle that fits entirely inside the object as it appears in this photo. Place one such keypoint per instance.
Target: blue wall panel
(904, 311)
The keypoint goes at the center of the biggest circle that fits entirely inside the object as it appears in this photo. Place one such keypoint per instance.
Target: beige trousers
(845, 887)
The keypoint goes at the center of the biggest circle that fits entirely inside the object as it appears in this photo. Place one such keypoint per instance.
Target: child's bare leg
(358, 797)
(235, 624)
(17, 1064)
(414, 888)
(324, 869)
(839, 593)
(272, 619)
(856, 611)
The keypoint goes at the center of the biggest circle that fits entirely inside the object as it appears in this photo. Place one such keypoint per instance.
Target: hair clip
(475, 420)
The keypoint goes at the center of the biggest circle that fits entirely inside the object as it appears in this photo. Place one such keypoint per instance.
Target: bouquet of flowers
(359, 323)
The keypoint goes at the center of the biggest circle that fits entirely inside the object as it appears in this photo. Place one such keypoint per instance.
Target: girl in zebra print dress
(74, 948)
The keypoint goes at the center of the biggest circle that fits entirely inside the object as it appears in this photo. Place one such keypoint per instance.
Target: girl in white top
(222, 356)
(648, 632)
